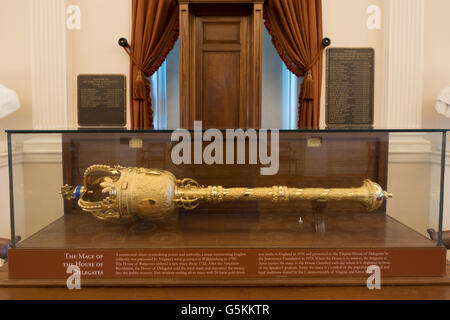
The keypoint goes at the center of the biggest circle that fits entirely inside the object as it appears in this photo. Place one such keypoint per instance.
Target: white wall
(344, 22)
(43, 204)
(95, 50)
(37, 179)
(4, 198)
(436, 60)
(411, 205)
(94, 46)
(15, 73)
(15, 63)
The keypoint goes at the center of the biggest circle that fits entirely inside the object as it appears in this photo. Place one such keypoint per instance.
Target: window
(166, 92)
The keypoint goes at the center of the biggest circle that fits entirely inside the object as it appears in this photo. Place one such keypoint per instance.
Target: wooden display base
(5, 281)
(254, 249)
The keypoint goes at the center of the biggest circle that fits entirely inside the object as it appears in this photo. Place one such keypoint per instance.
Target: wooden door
(221, 61)
(220, 65)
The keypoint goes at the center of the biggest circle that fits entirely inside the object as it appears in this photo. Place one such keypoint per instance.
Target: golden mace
(119, 193)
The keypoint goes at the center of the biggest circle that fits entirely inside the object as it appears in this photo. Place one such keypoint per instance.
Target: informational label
(350, 87)
(181, 264)
(225, 263)
(324, 263)
(102, 100)
(90, 264)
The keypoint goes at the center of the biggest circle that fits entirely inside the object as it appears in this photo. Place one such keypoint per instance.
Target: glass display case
(227, 207)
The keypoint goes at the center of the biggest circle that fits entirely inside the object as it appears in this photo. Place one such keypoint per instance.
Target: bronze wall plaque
(102, 100)
(350, 87)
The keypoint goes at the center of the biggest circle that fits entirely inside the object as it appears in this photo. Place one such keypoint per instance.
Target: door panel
(220, 85)
(221, 32)
(221, 62)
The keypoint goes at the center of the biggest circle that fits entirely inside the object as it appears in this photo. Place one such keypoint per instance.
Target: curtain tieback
(307, 92)
(314, 60)
(140, 87)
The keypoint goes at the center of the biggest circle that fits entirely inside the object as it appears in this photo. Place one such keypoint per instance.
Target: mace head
(118, 193)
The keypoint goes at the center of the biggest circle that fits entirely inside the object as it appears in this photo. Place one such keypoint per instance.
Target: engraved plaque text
(350, 87)
(101, 100)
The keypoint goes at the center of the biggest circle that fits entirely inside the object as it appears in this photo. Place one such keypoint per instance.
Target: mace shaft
(370, 194)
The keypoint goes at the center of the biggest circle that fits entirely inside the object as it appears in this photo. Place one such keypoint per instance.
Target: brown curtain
(155, 29)
(296, 30)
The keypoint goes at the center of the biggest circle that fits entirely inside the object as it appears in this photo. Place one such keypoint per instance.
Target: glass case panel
(312, 190)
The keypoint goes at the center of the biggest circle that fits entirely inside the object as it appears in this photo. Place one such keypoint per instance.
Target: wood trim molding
(256, 66)
(184, 63)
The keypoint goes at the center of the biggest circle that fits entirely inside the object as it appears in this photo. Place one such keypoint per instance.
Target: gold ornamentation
(154, 194)
(67, 192)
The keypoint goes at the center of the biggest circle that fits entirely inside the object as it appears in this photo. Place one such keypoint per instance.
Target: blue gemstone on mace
(77, 192)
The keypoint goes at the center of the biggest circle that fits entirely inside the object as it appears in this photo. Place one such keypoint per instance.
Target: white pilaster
(50, 65)
(404, 63)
